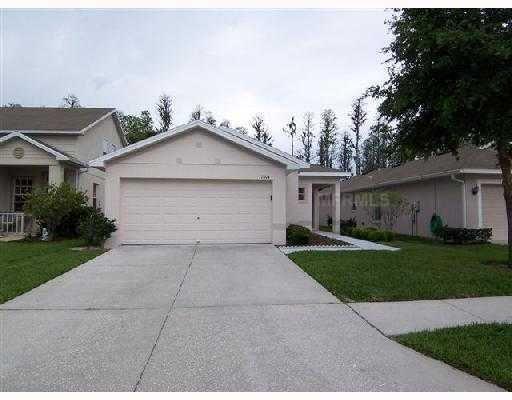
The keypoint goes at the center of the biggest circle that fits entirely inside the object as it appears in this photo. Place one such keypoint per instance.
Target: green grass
(27, 264)
(420, 270)
(482, 350)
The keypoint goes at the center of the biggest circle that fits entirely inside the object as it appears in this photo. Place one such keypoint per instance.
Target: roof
(53, 151)
(228, 134)
(470, 159)
(316, 170)
(50, 120)
(319, 168)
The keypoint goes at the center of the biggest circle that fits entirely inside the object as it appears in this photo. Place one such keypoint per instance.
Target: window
(95, 195)
(354, 205)
(22, 187)
(377, 213)
(106, 146)
(302, 194)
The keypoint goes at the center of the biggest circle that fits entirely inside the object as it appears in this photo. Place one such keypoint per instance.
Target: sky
(235, 63)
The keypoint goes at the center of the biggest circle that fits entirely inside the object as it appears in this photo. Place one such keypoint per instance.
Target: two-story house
(43, 145)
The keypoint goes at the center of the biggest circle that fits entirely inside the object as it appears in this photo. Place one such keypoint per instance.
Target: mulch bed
(319, 240)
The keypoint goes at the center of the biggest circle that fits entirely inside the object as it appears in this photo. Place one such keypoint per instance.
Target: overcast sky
(234, 63)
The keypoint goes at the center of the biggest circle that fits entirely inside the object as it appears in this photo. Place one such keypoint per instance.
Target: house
(466, 191)
(40, 146)
(201, 183)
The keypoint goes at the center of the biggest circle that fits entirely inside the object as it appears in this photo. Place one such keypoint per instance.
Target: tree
(261, 131)
(209, 118)
(291, 129)
(346, 152)
(50, 205)
(71, 101)
(307, 137)
(197, 114)
(377, 150)
(137, 127)
(165, 111)
(327, 139)
(226, 123)
(358, 118)
(450, 82)
(242, 129)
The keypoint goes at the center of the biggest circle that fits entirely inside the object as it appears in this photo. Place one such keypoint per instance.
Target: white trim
(228, 134)
(480, 171)
(50, 132)
(326, 174)
(59, 156)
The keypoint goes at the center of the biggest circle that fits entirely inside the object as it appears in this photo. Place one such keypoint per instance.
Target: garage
(170, 211)
(198, 183)
(494, 213)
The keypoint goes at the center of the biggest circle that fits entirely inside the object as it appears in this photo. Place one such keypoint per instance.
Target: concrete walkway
(361, 244)
(207, 318)
(395, 318)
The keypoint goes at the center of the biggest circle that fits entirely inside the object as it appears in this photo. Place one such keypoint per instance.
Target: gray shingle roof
(469, 157)
(27, 119)
(319, 168)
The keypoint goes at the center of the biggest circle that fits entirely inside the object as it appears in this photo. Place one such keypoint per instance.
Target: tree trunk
(505, 159)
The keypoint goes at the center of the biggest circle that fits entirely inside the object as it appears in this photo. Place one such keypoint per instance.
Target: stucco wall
(66, 143)
(299, 212)
(197, 155)
(86, 181)
(90, 145)
(441, 196)
(32, 155)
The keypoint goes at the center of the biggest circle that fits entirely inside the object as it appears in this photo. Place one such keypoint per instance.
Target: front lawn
(420, 270)
(482, 350)
(27, 264)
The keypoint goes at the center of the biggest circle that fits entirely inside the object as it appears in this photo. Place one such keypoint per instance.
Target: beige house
(40, 146)
(201, 183)
(466, 191)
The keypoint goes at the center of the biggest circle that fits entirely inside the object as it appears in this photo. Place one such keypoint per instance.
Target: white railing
(12, 222)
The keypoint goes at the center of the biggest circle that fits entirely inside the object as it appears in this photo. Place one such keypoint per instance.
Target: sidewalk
(395, 318)
(362, 244)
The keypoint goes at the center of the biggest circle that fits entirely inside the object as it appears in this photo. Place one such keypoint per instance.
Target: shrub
(297, 235)
(68, 227)
(51, 205)
(346, 225)
(466, 235)
(95, 228)
(373, 234)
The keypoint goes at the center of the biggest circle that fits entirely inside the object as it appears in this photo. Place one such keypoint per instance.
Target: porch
(18, 181)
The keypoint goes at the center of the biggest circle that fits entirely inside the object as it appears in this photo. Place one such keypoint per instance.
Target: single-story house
(465, 191)
(202, 183)
(45, 145)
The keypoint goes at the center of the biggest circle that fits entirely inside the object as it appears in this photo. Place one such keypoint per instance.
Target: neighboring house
(40, 146)
(201, 183)
(466, 191)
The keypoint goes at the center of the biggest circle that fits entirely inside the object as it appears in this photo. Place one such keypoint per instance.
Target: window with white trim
(302, 194)
(22, 187)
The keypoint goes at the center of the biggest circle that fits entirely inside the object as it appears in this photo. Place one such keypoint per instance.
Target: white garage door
(162, 211)
(494, 212)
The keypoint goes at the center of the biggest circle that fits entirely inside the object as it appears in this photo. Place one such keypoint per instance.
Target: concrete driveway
(187, 318)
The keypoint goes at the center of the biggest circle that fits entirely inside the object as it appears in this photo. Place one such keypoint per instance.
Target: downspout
(464, 205)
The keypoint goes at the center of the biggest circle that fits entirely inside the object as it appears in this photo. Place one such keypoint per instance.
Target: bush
(373, 234)
(50, 206)
(68, 227)
(297, 235)
(346, 226)
(466, 235)
(95, 228)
